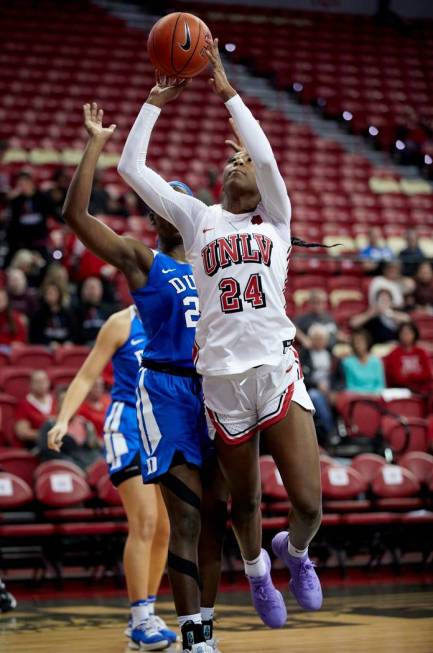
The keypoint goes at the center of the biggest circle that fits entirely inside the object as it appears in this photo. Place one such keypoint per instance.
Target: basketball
(176, 43)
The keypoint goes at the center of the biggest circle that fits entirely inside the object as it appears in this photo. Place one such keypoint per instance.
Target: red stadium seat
(15, 382)
(71, 356)
(410, 407)
(58, 465)
(19, 462)
(32, 356)
(61, 489)
(408, 434)
(342, 482)
(361, 413)
(7, 413)
(61, 375)
(14, 492)
(107, 493)
(368, 464)
(96, 471)
(395, 482)
(420, 464)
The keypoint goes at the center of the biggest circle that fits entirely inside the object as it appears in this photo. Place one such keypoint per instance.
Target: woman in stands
(251, 375)
(169, 403)
(122, 340)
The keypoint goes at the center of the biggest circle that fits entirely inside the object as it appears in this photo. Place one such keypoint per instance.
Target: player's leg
(292, 443)
(213, 528)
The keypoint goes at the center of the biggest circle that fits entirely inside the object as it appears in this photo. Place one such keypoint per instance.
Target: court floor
(387, 619)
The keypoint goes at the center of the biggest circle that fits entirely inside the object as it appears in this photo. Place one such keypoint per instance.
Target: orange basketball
(176, 43)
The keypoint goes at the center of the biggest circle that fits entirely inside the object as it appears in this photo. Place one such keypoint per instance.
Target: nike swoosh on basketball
(186, 46)
(208, 229)
(137, 342)
(167, 271)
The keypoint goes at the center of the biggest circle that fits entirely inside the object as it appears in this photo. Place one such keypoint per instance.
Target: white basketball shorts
(239, 405)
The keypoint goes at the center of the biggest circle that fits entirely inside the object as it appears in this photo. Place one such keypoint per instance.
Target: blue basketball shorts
(122, 442)
(171, 420)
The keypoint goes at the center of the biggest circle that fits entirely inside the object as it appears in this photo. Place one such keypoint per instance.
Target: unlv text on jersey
(234, 249)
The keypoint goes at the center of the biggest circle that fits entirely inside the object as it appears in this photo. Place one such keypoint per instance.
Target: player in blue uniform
(169, 399)
(122, 339)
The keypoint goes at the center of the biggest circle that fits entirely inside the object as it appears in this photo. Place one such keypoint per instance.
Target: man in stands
(316, 314)
(35, 409)
(412, 255)
(92, 311)
(375, 252)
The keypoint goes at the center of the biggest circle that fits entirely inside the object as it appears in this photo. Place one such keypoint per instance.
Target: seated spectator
(22, 298)
(391, 280)
(363, 372)
(58, 190)
(412, 255)
(29, 212)
(13, 327)
(91, 312)
(424, 286)
(31, 263)
(95, 407)
(53, 323)
(408, 365)
(380, 320)
(35, 409)
(316, 314)
(58, 274)
(374, 253)
(80, 445)
(322, 376)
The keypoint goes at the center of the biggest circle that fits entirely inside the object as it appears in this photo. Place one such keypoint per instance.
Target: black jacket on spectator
(410, 259)
(47, 327)
(336, 381)
(90, 319)
(27, 226)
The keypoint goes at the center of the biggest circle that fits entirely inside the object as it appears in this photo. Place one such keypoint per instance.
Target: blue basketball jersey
(126, 362)
(168, 307)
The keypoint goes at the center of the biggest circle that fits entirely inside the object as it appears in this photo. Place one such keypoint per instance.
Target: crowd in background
(53, 294)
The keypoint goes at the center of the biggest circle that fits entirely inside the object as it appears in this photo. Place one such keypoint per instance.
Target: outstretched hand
(219, 79)
(93, 123)
(56, 435)
(166, 89)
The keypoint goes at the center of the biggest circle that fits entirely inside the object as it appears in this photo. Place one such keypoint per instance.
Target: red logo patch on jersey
(256, 219)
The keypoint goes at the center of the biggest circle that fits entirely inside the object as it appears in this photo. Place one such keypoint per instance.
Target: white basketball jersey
(240, 268)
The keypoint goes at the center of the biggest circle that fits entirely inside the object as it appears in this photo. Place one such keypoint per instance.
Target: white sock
(207, 613)
(196, 618)
(139, 612)
(296, 553)
(255, 568)
(151, 600)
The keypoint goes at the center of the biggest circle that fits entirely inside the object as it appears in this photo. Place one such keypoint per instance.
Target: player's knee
(143, 525)
(309, 508)
(246, 506)
(186, 525)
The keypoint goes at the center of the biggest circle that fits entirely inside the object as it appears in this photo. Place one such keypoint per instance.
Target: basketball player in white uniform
(251, 375)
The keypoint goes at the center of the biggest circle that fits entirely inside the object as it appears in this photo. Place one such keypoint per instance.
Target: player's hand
(237, 145)
(56, 435)
(166, 89)
(93, 123)
(219, 80)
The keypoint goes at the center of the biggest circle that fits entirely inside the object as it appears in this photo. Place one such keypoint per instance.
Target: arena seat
(71, 356)
(61, 375)
(107, 493)
(272, 484)
(61, 489)
(14, 492)
(419, 463)
(408, 434)
(19, 462)
(367, 464)
(96, 471)
(15, 382)
(396, 488)
(342, 482)
(58, 465)
(361, 413)
(32, 356)
(410, 407)
(7, 413)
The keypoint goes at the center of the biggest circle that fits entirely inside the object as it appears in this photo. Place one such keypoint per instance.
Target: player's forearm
(77, 198)
(252, 134)
(132, 163)
(74, 397)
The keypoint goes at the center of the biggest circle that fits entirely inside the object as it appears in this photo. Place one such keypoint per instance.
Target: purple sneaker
(304, 584)
(267, 600)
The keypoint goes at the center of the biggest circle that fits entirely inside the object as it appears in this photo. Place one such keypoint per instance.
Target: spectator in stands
(35, 409)
(57, 192)
(392, 280)
(92, 312)
(316, 314)
(322, 376)
(53, 323)
(381, 320)
(58, 274)
(22, 298)
(424, 286)
(363, 372)
(412, 255)
(408, 365)
(95, 407)
(80, 445)
(100, 199)
(374, 253)
(29, 211)
(31, 263)
(13, 326)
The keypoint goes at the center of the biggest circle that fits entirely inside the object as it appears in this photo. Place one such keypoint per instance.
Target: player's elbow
(125, 169)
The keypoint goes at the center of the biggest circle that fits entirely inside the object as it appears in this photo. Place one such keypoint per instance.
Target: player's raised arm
(124, 253)
(270, 183)
(179, 209)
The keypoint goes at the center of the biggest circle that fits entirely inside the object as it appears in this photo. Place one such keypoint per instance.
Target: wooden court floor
(359, 620)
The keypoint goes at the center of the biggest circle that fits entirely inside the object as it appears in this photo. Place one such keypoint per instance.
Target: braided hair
(298, 242)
